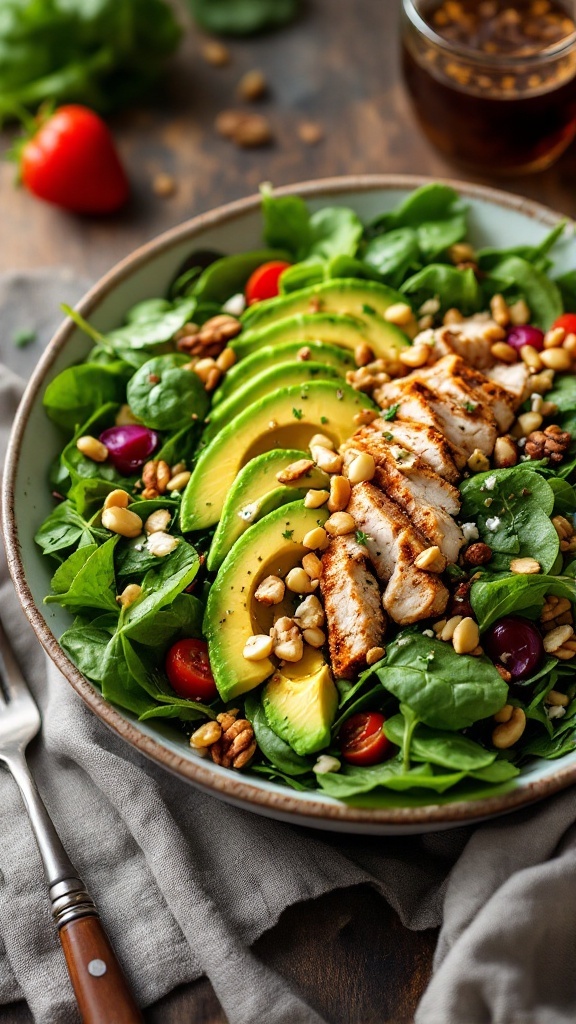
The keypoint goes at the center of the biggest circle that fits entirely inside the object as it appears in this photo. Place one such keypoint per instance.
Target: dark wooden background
(347, 953)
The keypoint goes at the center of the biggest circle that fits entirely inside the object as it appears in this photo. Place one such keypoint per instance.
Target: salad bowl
(496, 219)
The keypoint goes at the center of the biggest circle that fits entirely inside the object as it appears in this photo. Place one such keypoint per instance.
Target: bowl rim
(323, 813)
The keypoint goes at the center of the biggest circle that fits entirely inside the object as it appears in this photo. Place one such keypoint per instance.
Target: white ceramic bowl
(496, 218)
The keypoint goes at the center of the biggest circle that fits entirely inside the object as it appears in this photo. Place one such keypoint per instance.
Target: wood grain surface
(347, 953)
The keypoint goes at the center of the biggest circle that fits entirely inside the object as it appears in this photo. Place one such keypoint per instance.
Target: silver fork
(100, 987)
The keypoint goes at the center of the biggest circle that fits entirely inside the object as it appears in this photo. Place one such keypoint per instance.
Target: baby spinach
(445, 690)
(183, 617)
(63, 529)
(535, 254)
(88, 496)
(334, 231)
(451, 286)
(165, 396)
(139, 339)
(447, 749)
(74, 466)
(86, 582)
(160, 587)
(563, 394)
(394, 254)
(541, 293)
(243, 17)
(566, 284)
(564, 496)
(328, 232)
(77, 392)
(391, 775)
(303, 274)
(493, 597)
(428, 222)
(275, 749)
(512, 509)
(86, 642)
(228, 275)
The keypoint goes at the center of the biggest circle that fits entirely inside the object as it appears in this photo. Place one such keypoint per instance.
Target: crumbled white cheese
(249, 512)
(403, 641)
(138, 547)
(326, 764)
(470, 531)
(489, 483)
(493, 524)
(555, 712)
(161, 544)
(429, 632)
(235, 306)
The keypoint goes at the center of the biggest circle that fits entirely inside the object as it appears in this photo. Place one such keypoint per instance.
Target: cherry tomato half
(362, 740)
(263, 283)
(188, 669)
(567, 321)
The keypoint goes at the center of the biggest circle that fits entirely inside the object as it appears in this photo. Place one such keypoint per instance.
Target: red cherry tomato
(362, 740)
(71, 161)
(188, 669)
(567, 321)
(263, 283)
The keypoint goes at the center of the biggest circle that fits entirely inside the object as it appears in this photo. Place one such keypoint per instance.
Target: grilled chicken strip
(451, 376)
(427, 499)
(416, 401)
(354, 615)
(513, 377)
(429, 444)
(472, 339)
(393, 544)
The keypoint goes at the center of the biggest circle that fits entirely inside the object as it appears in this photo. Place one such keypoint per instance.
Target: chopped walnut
(236, 746)
(551, 443)
(477, 554)
(155, 477)
(557, 611)
(566, 533)
(211, 338)
(460, 604)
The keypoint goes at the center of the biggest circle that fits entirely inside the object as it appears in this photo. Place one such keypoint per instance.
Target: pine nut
(548, 408)
(570, 345)
(448, 630)
(340, 491)
(466, 636)
(206, 735)
(556, 699)
(125, 417)
(314, 499)
(556, 359)
(314, 637)
(117, 499)
(258, 647)
(519, 313)
(555, 337)
(525, 566)
(505, 713)
(508, 733)
(531, 357)
(290, 650)
(178, 482)
(363, 354)
(327, 460)
(339, 524)
(504, 352)
(452, 316)
(505, 453)
(299, 582)
(400, 313)
(294, 471)
(226, 360)
(478, 463)
(557, 637)
(122, 521)
(92, 448)
(500, 311)
(271, 591)
(312, 565)
(158, 521)
(416, 356)
(431, 559)
(316, 539)
(204, 368)
(310, 613)
(375, 654)
(528, 422)
(322, 440)
(362, 468)
(130, 594)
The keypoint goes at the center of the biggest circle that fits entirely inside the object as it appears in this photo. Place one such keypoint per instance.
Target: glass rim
(474, 56)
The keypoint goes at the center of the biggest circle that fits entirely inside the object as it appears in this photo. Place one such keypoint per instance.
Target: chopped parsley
(288, 534)
(362, 538)
(323, 419)
(390, 413)
(388, 436)
(368, 309)
(297, 414)
(470, 406)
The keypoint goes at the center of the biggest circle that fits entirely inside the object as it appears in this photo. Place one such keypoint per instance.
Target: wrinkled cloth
(185, 884)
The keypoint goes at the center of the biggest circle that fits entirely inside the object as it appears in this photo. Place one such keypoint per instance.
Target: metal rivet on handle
(97, 968)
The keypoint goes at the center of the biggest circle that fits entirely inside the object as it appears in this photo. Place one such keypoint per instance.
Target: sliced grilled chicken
(513, 377)
(419, 402)
(415, 408)
(424, 441)
(354, 614)
(451, 376)
(472, 339)
(393, 544)
(422, 495)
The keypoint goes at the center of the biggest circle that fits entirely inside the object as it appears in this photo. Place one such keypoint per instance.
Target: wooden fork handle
(99, 985)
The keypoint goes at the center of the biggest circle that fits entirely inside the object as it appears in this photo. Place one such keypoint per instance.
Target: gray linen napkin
(185, 884)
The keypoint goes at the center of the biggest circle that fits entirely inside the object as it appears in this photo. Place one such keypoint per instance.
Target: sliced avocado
(283, 376)
(341, 295)
(300, 703)
(275, 354)
(255, 493)
(272, 546)
(287, 419)
(304, 328)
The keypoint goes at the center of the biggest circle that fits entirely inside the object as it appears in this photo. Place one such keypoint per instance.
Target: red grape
(526, 335)
(515, 643)
(129, 446)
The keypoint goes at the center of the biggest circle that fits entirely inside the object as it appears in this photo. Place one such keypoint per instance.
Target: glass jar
(491, 86)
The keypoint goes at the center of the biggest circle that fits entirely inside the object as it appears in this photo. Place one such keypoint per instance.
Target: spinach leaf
(182, 618)
(64, 528)
(148, 309)
(286, 223)
(77, 392)
(394, 254)
(303, 274)
(86, 643)
(536, 254)
(160, 587)
(564, 496)
(277, 776)
(88, 496)
(563, 394)
(492, 597)
(444, 690)
(567, 287)
(279, 753)
(165, 396)
(74, 466)
(87, 585)
(516, 522)
(351, 781)
(243, 17)
(118, 683)
(436, 746)
(228, 275)
(451, 286)
(334, 231)
(436, 236)
(139, 339)
(434, 202)
(541, 293)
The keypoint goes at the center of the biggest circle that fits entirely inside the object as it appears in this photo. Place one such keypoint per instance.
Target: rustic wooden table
(347, 953)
